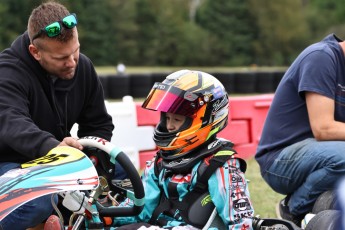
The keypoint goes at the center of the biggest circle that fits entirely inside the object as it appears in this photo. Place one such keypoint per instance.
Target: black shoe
(283, 212)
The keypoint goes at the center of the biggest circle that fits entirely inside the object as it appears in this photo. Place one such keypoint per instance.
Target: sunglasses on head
(54, 29)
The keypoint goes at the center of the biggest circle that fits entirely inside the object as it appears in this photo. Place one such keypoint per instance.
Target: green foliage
(190, 33)
(233, 28)
(326, 17)
(13, 19)
(147, 33)
(283, 30)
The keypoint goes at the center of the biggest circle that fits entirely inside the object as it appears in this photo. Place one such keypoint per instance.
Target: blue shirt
(320, 68)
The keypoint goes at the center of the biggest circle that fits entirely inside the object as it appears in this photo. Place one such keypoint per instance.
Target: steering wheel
(137, 195)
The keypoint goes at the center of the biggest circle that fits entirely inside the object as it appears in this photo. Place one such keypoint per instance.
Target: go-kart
(83, 179)
(72, 174)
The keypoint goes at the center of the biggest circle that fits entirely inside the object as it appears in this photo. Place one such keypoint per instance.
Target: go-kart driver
(194, 107)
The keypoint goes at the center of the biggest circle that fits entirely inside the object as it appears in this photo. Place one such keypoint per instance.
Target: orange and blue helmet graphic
(196, 95)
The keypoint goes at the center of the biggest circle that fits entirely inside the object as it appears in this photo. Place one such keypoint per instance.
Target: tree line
(190, 32)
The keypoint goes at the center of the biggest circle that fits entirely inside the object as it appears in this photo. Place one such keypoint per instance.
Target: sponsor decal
(240, 216)
(190, 96)
(217, 92)
(49, 158)
(159, 86)
(206, 200)
(57, 156)
(213, 144)
(233, 169)
(238, 194)
(235, 178)
(183, 160)
(100, 140)
(241, 205)
(219, 104)
(237, 186)
(220, 114)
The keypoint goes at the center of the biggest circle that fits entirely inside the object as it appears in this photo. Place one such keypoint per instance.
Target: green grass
(263, 198)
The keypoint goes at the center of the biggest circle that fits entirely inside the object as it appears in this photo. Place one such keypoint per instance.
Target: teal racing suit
(227, 187)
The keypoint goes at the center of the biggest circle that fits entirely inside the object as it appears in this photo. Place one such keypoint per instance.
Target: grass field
(264, 199)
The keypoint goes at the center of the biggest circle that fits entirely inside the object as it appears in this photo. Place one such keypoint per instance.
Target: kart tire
(326, 201)
(325, 220)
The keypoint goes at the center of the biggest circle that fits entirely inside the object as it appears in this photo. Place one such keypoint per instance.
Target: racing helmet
(197, 95)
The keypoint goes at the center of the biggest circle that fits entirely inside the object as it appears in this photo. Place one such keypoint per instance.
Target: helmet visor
(170, 99)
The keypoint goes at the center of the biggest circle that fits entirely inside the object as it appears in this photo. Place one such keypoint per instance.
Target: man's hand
(70, 141)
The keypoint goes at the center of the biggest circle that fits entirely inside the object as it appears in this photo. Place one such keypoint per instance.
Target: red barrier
(252, 110)
(246, 119)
